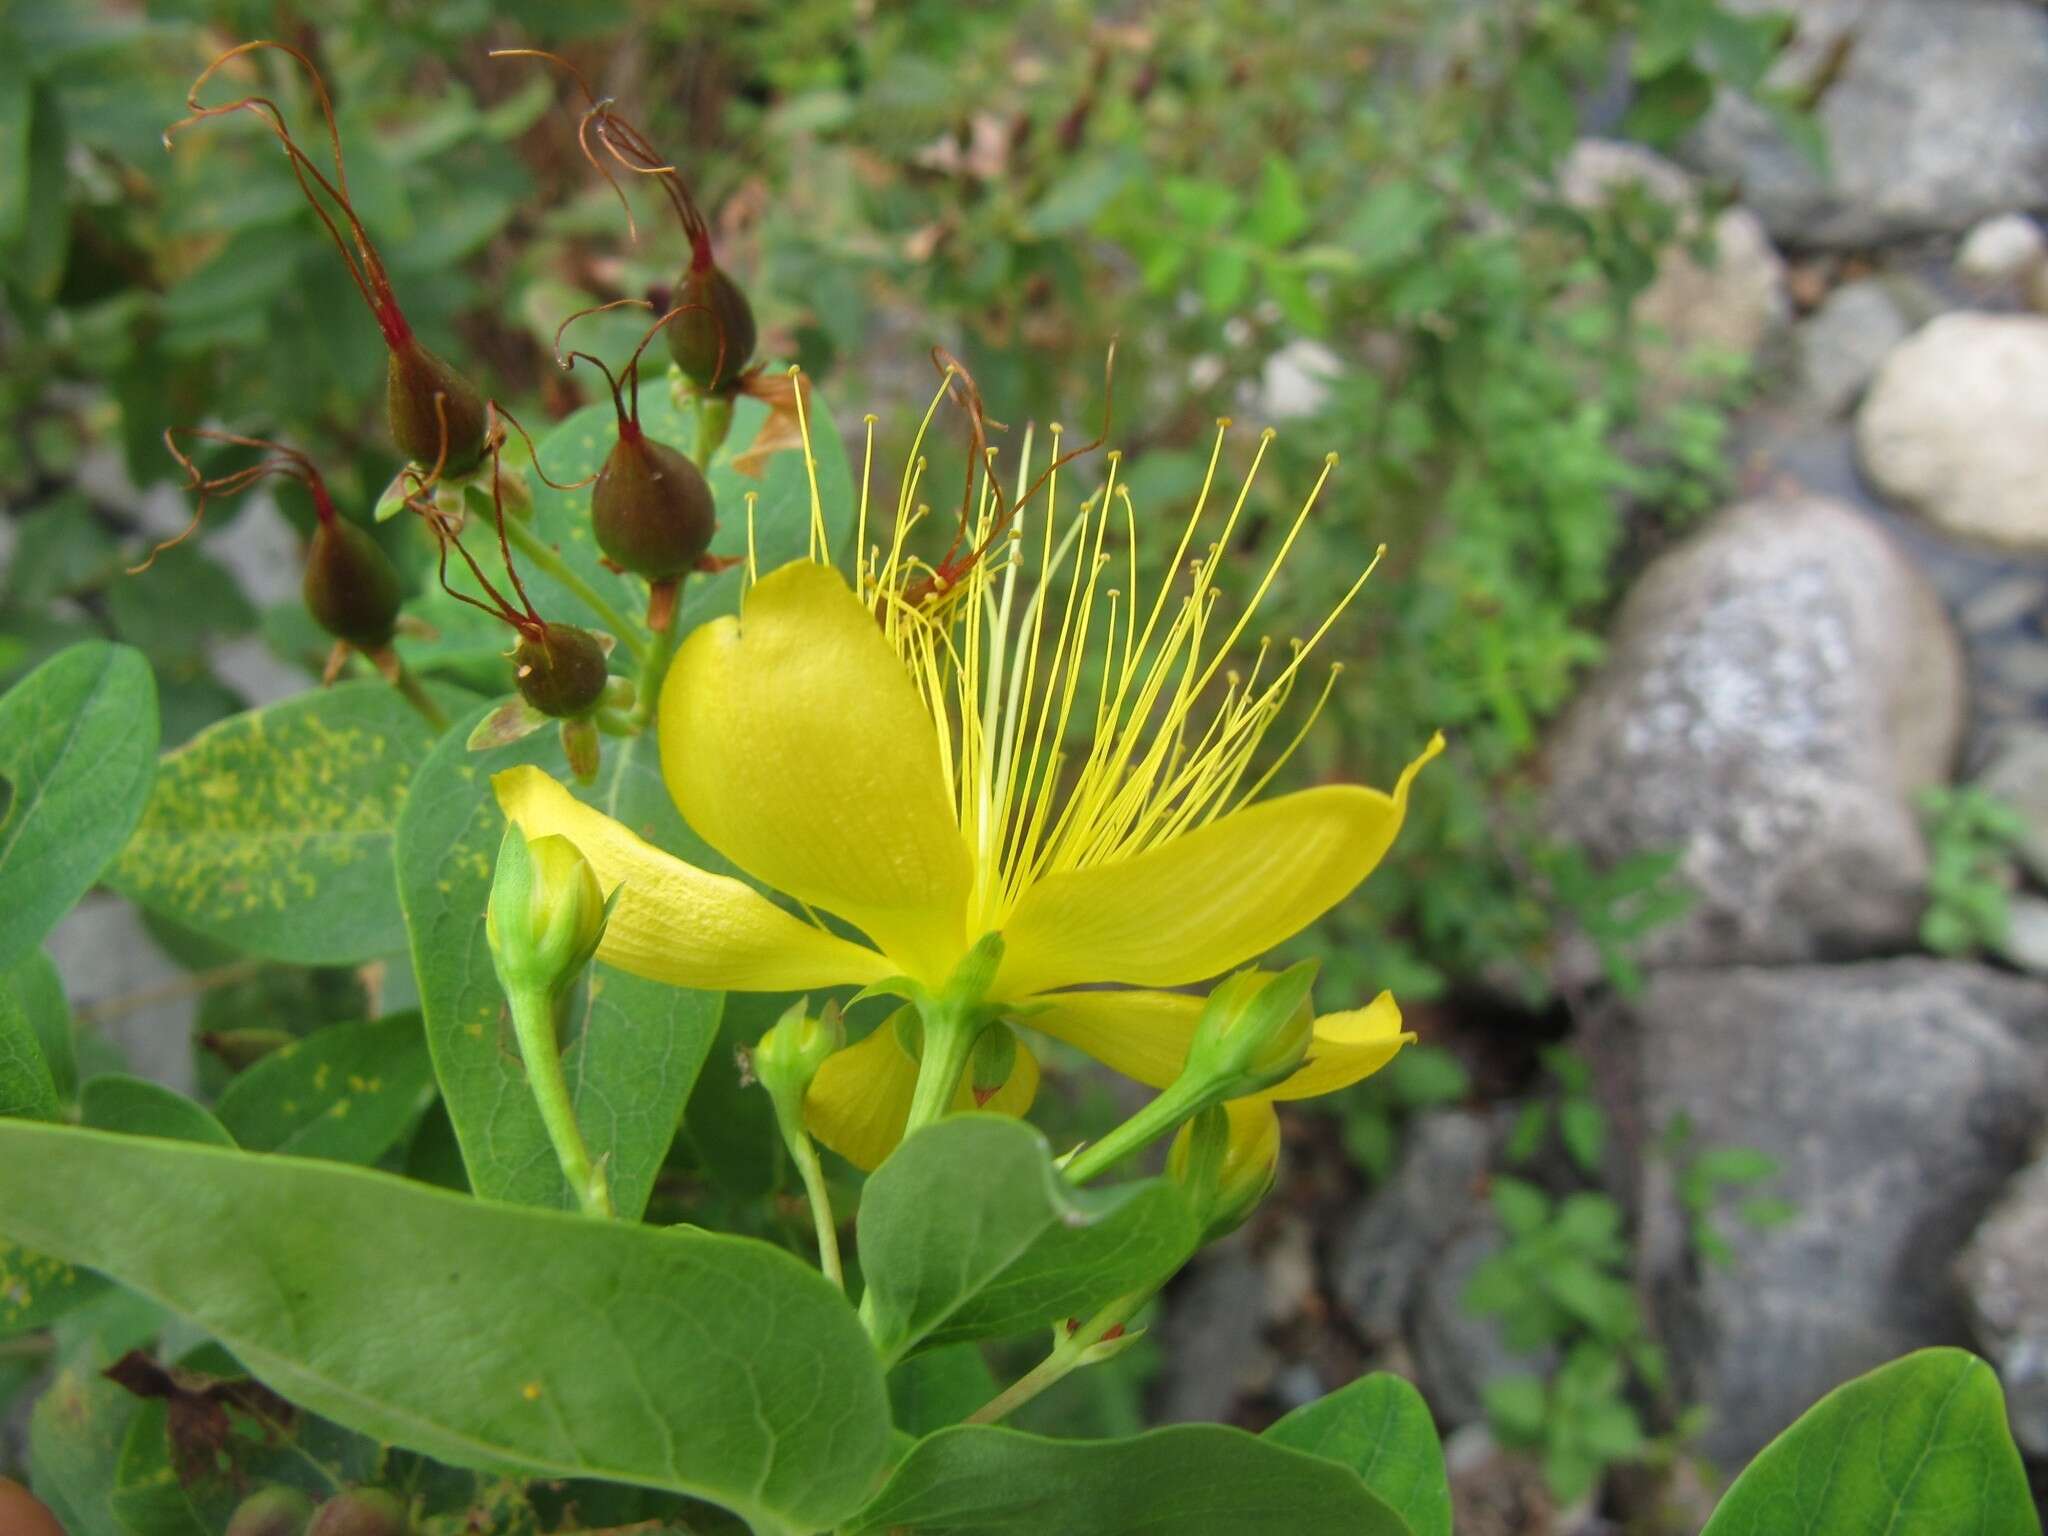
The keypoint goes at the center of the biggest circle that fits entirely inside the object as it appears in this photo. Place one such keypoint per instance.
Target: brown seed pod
(271, 1512)
(713, 340)
(651, 508)
(362, 1512)
(437, 416)
(560, 670)
(351, 587)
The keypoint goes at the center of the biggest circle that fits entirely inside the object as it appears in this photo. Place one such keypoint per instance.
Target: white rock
(1776, 690)
(2001, 251)
(1955, 426)
(2017, 773)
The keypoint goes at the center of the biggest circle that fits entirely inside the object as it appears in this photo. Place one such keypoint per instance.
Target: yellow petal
(797, 746)
(675, 922)
(1207, 901)
(1145, 1035)
(860, 1098)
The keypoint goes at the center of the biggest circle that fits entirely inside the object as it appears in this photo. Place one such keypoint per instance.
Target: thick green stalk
(654, 672)
(1165, 1114)
(949, 1036)
(1069, 1354)
(533, 1022)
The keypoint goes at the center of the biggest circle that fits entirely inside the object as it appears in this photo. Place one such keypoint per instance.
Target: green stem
(1166, 1113)
(714, 421)
(654, 671)
(533, 1022)
(805, 1156)
(949, 1036)
(417, 696)
(622, 628)
(1067, 1356)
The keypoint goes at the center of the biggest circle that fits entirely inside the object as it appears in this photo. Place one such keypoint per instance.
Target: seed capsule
(351, 587)
(415, 378)
(560, 670)
(363, 1512)
(651, 508)
(713, 340)
(272, 1512)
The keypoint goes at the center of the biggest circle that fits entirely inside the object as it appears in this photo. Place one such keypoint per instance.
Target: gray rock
(1777, 689)
(1382, 1259)
(1956, 427)
(1936, 116)
(1457, 1354)
(2025, 943)
(1896, 1096)
(1693, 311)
(2001, 253)
(2005, 1272)
(1842, 343)
(115, 975)
(2017, 772)
(1215, 1350)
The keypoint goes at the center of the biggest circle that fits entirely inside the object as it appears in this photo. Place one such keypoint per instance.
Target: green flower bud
(414, 380)
(1255, 1030)
(994, 1059)
(272, 1512)
(651, 508)
(561, 671)
(713, 342)
(350, 586)
(1227, 1158)
(794, 1048)
(363, 1512)
(546, 913)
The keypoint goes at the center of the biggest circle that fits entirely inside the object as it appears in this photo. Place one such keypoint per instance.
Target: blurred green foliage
(1972, 836)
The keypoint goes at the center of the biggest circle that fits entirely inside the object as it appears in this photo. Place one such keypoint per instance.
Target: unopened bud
(789, 1055)
(994, 1059)
(560, 670)
(1226, 1158)
(350, 586)
(651, 509)
(713, 340)
(272, 1512)
(431, 404)
(363, 1512)
(546, 912)
(1255, 1030)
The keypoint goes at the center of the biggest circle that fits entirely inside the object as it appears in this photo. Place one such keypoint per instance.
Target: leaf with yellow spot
(272, 831)
(347, 1092)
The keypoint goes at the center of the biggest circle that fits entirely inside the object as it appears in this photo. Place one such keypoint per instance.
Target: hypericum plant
(402, 1266)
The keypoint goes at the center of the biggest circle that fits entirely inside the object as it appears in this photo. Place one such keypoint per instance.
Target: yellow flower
(1018, 744)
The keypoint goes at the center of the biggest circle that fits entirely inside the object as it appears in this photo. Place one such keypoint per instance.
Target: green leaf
(632, 1048)
(36, 1290)
(1919, 1445)
(135, 1106)
(39, 990)
(1225, 273)
(1517, 1407)
(1191, 1480)
(78, 743)
(1668, 104)
(940, 1387)
(969, 1230)
(486, 1335)
(1734, 1165)
(1521, 1206)
(1380, 1428)
(33, 262)
(1279, 215)
(17, 90)
(1077, 197)
(347, 1092)
(272, 831)
(26, 1086)
(75, 1439)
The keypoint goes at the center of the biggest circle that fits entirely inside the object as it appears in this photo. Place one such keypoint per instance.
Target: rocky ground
(1868, 618)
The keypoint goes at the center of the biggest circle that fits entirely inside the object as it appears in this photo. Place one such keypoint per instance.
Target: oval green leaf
(968, 1230)
(1380, 1428)
(78, 741)
(346, 1092)
(26, 1086)
(1919, 1445)
(631, 1048)
(1191, 1480)
(40, 991)
(272, 831)
(135, 1106)
(484, 1334)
